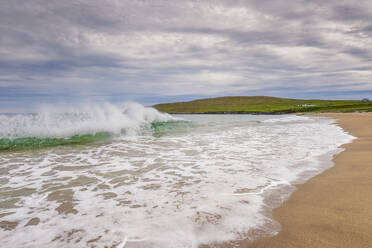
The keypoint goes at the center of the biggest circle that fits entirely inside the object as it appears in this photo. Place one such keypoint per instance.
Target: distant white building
(306, 105)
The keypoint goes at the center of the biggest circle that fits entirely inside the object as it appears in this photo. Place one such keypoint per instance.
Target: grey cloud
(351, 12)
(164, 48)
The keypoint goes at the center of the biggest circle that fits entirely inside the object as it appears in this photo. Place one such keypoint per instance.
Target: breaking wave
(86, 123)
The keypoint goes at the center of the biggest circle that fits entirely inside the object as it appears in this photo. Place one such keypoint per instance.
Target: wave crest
(62, 124)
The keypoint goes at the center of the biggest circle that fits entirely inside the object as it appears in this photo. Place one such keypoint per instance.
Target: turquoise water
(156, 128)
(87, 125)
(25, 143)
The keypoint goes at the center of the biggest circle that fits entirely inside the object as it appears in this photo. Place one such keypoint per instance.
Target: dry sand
(333, 209)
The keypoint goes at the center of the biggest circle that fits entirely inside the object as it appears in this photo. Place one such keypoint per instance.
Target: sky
(153, 51)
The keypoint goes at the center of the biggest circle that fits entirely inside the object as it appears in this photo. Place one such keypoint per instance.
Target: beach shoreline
(331, 209)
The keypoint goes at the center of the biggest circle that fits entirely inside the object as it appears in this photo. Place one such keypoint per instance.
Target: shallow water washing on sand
(159, 181)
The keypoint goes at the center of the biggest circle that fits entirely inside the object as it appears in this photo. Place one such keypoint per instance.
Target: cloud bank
(156, 51)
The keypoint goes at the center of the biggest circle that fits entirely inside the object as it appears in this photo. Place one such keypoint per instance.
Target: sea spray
(85, 123)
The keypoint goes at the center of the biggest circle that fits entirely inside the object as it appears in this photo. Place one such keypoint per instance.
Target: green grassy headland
(261, 105)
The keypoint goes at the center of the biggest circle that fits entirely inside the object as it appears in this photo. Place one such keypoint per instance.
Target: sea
(125, 175)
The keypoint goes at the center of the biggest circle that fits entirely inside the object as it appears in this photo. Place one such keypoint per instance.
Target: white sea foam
(210, 183)
(66, 121)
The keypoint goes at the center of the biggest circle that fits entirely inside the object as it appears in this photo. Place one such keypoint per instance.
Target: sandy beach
(333, 209)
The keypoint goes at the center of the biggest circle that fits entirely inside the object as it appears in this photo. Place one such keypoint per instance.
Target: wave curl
(85, 123)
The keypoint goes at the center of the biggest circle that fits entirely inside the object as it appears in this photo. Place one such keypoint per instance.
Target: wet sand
(333, 209)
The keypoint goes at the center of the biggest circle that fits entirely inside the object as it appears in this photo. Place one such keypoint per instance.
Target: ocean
(103, 175)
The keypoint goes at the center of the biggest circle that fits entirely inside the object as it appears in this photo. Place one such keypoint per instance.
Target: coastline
(332, 209)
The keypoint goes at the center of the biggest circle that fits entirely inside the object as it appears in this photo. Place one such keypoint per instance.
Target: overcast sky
(159, 51)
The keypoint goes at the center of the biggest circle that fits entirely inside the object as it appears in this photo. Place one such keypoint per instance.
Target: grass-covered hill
(261, 105)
